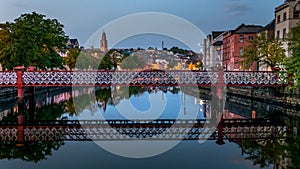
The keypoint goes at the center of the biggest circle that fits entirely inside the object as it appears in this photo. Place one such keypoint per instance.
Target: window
(284, 16)
(241, 38)
(284, 33)
(278, 34)
(278, 18)
(296, 14)
(241, 51)
(250, 37)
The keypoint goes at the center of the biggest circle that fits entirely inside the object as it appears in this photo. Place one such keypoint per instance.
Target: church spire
(103, 43)
(103, 35)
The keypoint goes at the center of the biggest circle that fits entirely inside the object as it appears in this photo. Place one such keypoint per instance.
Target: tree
(103, 94)
(108, 62)
(86, 60)
(182, 51)
(263, 152)
(71, 58)
(264, 50)
(133, 62)
(200, 65)
(31, 151)
(5, 44)
(50, 112)
(32, 40)
(292, 63)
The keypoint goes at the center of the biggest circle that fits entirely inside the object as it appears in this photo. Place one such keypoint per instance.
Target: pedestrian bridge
(118, 130)
(139, 78)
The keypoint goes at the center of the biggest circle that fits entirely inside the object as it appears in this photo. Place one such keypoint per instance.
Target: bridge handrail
(259, 121)
(139, 77)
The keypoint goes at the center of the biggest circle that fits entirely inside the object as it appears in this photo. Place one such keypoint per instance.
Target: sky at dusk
(83, 18)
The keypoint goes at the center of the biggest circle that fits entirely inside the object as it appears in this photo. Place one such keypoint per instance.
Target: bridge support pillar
(220, 140)
(20, 132)
(220, 86)
(21, 106)
(20, 88)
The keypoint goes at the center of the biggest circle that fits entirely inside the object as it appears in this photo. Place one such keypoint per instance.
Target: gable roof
(74, 41)
(248, 29)
(270, 26)
(215, 34)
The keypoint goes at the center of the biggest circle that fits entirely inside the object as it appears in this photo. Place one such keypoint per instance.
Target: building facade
(72, 43)
(287, 15)
(234, 43)
(269, 31)
(213, 50)
(103, 43)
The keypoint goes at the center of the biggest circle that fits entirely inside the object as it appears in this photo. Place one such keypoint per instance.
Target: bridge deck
(139, 78)
(141, 130)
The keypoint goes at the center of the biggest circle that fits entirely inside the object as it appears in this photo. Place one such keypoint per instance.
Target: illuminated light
(20, 145)
(201, 102)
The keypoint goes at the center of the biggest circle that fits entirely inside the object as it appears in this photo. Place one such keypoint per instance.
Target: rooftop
(248, 29)
(270, 26)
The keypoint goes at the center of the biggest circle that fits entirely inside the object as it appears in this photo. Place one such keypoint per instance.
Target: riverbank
(270, 95)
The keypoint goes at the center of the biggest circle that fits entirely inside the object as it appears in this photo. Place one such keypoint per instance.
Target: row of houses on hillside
(224, 48)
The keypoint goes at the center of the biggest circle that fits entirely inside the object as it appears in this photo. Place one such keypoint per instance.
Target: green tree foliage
(50, 112)
(32, 40)
(182, 51)
(294, 151)
(31, 151)
(103, 94)
(133, 62)
(107, 62)
(71, 58)
(200, 65)
(85, 60)
(263, 152)
(293, 63)
(5, 44)
(264, 50)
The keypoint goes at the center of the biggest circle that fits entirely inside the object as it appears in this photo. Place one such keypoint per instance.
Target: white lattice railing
(155, 77)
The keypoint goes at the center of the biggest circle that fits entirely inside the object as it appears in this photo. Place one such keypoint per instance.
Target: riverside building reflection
(52, 128)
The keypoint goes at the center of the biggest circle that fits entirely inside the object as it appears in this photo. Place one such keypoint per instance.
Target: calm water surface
(137, 104)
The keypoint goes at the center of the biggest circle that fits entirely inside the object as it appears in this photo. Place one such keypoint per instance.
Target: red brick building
(234, 43)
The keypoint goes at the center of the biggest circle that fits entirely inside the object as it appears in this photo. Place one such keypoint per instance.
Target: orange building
(234, 43)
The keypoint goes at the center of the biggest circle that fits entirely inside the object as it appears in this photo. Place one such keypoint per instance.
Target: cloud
(236, 8)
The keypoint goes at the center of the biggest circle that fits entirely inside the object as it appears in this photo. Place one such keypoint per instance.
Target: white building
(213, 46)
(287, 15)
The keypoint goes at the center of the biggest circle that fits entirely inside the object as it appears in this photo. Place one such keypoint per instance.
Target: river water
(147, 103)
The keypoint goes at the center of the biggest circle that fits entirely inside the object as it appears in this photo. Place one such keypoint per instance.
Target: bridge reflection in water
(33, 135)
(106, 130)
